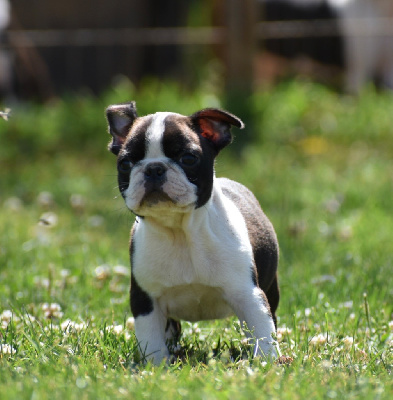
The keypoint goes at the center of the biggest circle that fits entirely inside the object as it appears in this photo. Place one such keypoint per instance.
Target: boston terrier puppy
(201, 247)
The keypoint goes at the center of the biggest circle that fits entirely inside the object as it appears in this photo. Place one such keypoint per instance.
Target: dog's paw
(156, 357)
(267, 349)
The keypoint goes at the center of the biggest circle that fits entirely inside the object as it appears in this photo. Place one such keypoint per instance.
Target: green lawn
(320, 164)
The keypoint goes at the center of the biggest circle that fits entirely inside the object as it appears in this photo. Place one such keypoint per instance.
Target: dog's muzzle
(155, 172)
(155, 177)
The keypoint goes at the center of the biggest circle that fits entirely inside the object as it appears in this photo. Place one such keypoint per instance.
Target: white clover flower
(130, 323)
(390, 324)
(52, 310)
(307, 312)
(121, 270)
(246, 341)
(348, 341)
(282, 333)
(78, 202)
(80, 326)
(29, 317)
(71, 326)
(6, 349)
(318, 340)
(195, 328)
(5, 318)
(102, 272)
(116, 329)
(45, 199)
(65, 273)
(66, 325)
(49, 219)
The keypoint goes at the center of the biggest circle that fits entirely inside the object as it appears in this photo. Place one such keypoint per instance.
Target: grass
(321, 166)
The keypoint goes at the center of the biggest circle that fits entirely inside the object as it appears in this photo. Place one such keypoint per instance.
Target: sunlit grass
(321, 166)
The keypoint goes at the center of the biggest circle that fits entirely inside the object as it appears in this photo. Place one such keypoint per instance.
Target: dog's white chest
(186, 281)
(167, 261)
(188, 270)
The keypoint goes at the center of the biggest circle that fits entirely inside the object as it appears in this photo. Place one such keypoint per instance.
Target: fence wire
(357, 27)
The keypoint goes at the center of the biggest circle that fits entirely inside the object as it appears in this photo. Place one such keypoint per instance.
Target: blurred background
(51, 48)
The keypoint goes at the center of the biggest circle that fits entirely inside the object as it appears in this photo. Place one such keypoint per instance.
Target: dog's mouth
(160, 197)
(155, 197)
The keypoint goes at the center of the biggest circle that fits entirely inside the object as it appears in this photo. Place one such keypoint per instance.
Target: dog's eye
(124, 166)
(188, 159)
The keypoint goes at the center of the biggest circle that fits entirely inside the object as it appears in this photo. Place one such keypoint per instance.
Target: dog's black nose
(155, 171)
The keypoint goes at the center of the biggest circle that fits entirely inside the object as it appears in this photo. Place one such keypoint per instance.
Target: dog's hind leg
(172, 335)
(273, 297)
(172, 331)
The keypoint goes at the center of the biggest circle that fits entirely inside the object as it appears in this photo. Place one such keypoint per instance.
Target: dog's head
(166, 160)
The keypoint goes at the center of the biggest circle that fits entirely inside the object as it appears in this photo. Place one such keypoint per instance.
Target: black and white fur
(201, 247)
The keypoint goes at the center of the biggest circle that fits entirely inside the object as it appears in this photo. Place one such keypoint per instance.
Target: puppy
(201, 247)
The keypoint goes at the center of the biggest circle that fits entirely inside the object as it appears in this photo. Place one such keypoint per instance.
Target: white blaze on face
(154, 136)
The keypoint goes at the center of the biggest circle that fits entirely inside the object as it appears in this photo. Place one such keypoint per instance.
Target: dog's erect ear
(214, 125)
(120, 118)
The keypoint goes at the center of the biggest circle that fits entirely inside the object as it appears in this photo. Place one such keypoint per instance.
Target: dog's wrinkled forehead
(162, 134)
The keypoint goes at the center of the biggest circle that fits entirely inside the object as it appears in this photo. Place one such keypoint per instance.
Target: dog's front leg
(150, 333)
(252, 309)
